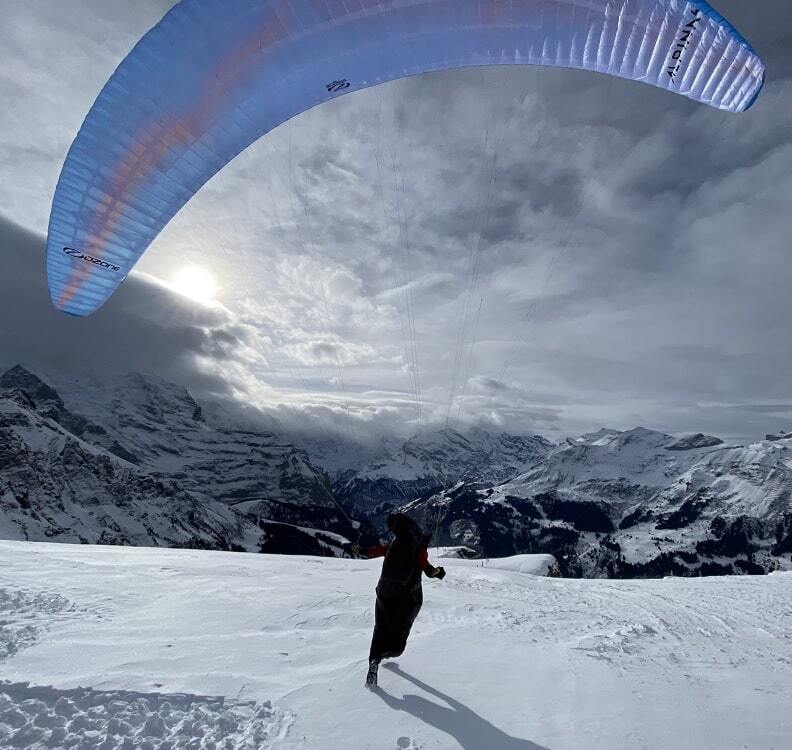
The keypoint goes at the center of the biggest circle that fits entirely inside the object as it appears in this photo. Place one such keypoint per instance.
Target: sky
(529, 250)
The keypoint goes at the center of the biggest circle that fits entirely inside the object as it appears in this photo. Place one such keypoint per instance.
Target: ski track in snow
(170, 649)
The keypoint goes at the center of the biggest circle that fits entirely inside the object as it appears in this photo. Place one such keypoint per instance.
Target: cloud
(148, 328)
(528, 248)
(216, 353)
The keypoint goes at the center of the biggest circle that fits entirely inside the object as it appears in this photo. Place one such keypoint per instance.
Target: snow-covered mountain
(136, 462)
(432, 461)
(633, 503)
(56, 486)
(158, 426)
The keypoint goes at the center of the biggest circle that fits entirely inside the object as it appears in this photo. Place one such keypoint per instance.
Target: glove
(352, 549)
(438, 573)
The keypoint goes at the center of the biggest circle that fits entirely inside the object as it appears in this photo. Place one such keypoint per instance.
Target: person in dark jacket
(399, 592)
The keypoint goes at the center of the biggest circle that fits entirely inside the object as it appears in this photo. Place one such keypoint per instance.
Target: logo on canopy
(337, 85)
(73, 253)
(684, 41)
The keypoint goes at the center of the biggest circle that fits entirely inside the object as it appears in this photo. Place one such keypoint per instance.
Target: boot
(371, 677)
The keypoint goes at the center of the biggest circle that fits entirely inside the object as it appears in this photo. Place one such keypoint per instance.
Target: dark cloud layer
(529, 248)
(148, 328)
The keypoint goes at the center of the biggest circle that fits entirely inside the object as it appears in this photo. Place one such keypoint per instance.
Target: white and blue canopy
(215, 75)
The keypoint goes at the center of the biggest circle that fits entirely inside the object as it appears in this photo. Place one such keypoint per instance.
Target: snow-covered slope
(143, 466)
(56, 486)
(190, 649)
(164, 431)
(638, 502)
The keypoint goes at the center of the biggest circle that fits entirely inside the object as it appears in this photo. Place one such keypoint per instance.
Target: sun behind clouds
(195, 283)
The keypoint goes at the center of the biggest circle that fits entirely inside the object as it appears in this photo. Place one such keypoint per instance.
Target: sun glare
(195, 283)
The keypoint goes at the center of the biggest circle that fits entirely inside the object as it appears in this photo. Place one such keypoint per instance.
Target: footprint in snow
(26, 615)
(46, 718)
(407, 743)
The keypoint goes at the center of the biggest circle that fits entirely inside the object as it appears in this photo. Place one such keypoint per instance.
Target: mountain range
(633, 503)
(136, 460)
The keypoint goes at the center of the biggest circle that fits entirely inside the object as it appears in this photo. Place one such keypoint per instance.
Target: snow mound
(535, 565)
(43, 717)
(453, 553)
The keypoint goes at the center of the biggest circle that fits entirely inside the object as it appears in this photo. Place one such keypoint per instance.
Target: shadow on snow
(469, 729)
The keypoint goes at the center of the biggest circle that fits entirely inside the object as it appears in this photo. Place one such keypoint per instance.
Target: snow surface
(535, 565)
(154, 648)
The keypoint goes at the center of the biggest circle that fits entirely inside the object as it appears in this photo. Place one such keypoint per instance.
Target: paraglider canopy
(213, 76)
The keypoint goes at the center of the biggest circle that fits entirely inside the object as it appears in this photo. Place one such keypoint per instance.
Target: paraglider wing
(215, 75)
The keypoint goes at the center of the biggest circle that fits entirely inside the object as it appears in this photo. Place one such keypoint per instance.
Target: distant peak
(638, 430)
(434, 437)
(690, 442)
(617, 439)
(161, 395)
(601, 437)
(18, 373)
(20, 378)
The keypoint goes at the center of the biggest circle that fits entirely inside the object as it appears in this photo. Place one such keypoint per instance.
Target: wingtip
(758, 91)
